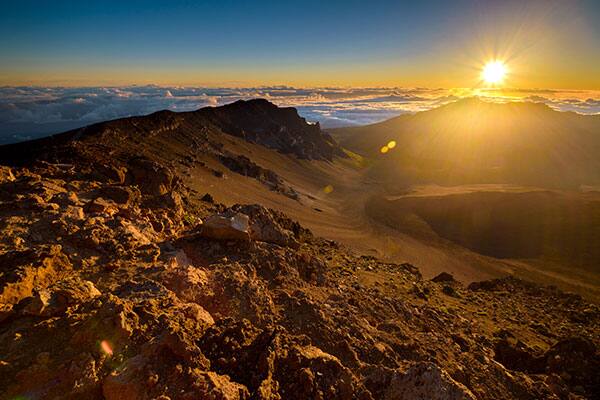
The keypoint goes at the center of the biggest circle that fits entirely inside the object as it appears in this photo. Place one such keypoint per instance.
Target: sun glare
(494, 72)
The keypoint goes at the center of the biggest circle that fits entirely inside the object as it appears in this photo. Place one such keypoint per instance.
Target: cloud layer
(27, 112)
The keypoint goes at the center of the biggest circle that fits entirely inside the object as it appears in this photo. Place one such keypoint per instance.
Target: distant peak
(252, 103)
(494, 103)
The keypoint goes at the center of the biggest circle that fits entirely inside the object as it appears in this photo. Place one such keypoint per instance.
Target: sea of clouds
(30, 112)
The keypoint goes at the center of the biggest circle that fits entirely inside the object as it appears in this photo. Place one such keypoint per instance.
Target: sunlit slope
(474, 141)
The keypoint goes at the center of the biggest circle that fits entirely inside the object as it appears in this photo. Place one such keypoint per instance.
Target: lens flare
(106, 348)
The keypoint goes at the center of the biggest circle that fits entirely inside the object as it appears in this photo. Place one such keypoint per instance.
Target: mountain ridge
(476, 141)
(264, 123)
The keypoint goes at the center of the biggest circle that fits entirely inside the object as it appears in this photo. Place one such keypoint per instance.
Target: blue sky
(241, 43)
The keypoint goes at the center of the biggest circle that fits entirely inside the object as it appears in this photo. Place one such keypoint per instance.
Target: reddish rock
(6, 174)
(24, 271)
(101, 206)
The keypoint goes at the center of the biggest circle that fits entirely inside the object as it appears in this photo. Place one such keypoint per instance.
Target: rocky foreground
(126, 285)
(117, 281)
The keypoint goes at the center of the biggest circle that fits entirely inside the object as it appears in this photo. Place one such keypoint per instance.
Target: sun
(494, 72)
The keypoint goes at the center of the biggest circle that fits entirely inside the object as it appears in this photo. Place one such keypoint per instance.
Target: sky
(66, 64)
(546, 44)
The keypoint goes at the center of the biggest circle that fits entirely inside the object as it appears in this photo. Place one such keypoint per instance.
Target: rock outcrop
(278, 128)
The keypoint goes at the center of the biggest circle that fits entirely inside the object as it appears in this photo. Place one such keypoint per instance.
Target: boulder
(443, 277)
(265, 227)
(151, 177)
(450, 291)
(226, 227)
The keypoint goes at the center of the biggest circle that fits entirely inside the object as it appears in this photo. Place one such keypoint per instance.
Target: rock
(134, 234)
(31, 201)
(425, 380)
(507, 284)
(125, 196)
(222, 227)
(176, 258)
(208, 198)
(443, 277)
(215, 386)
(56, 299)
(66, 199)
(6, 310)
(111, 173)
(246, 167)
(126, 383)
(24, 271)
(578, 358)
(47, 189)
(461, 341)
(517, 356)
(450, 291)
(74, 213)
(308, 372)
(38, 303)
(189, 284)
(199, 314)
(265, 227)
(6, 174)
(172, 202)
(101, 206)
(151, 177)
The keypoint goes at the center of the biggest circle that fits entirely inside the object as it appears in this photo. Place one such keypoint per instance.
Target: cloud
(33, 111)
